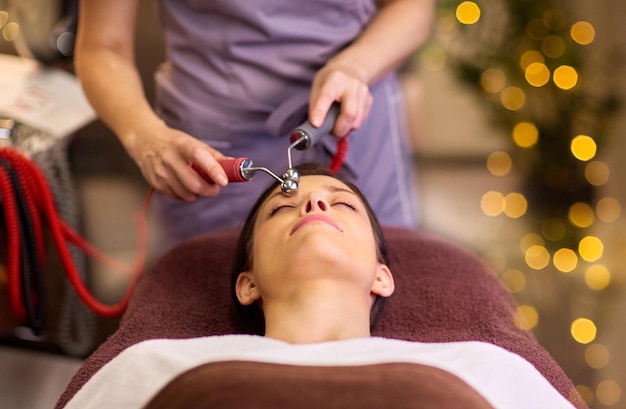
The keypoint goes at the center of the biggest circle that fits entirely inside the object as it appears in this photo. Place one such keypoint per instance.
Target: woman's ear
(246, 289)
(383, 283)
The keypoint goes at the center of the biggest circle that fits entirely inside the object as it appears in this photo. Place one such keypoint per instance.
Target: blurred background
(517, 115)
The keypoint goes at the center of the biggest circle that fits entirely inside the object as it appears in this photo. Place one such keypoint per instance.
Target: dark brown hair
(252, 315)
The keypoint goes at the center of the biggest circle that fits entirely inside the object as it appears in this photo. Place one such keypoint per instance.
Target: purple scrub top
(238, 76)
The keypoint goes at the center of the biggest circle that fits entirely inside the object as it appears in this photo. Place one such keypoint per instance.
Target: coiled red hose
(40, 205)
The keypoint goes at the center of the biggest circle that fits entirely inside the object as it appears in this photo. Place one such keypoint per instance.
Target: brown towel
(443, 293)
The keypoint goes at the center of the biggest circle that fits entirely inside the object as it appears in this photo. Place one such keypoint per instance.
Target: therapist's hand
(345, 84)
(165, 155)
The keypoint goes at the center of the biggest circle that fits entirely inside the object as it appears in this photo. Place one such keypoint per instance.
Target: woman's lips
(314, 218)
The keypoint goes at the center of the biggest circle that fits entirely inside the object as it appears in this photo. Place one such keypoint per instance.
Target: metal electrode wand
(302, 138)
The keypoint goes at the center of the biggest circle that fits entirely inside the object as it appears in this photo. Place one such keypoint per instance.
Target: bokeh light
(468, 12)
(514, 280)
(10, 31)
(493, 80)
(608, 209)
(525, 134)
(590, 248)
(583, 32)
(608, 392)
(4, 18)
(565, 77)
(515, 205)
(512, 98)
(553, 229)
(597, 173)
(553, 46)
(537, 74)
(499, 163)
(565, 260)
(597, 356)
(586, 393)
(581, 215)
(531, 239)
(583, 330)
(537, 257)
(492, 203)
(526, 317)
(583, 147)
(530, 57)
(597, 277)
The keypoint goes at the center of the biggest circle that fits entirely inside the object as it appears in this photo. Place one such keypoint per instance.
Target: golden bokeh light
(583, 330)
(530, 57)
(565, 77)
(537, 257)
(583, 147)
(590, 248)
(553, 229)
(537, 74)
(583, 32)
(531, 239)
(10, 31)
(4, 18)
(525, 134)
(608, 209)
(565, 260)
(597, 356)
(586, 393)
(597, 173)
(515, 205)
(468, 12)
(514, 280)
(526, 317)
(492, 203)
(597, 277)
(512, 98)
(499, 163)
(493, 80)
(581, 215)
(608, 392)
(553, 46)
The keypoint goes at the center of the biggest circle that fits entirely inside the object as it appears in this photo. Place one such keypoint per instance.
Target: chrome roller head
(289, 187)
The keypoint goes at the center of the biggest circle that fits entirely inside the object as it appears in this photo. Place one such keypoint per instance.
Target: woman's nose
(315, 202)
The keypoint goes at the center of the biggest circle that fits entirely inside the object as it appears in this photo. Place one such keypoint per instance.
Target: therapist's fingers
(353, 95)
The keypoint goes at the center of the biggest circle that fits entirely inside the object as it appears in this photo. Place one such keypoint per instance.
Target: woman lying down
(310, 278)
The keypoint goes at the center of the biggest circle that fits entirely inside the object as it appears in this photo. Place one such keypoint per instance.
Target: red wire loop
(40, 202)
(340, 154)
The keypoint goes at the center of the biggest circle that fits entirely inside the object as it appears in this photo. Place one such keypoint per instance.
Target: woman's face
(321, 232)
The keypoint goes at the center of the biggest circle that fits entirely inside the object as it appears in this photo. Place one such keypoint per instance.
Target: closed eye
(345, 204)
(280, 208)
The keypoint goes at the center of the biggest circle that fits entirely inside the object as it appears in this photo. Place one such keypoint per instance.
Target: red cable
(41, 201)
(13, 250)
(340, 154)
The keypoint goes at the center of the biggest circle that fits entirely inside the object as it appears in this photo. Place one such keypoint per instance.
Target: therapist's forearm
(397, 31)
(115, 90)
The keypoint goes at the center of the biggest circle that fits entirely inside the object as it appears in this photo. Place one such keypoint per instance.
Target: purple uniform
(238, 76)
